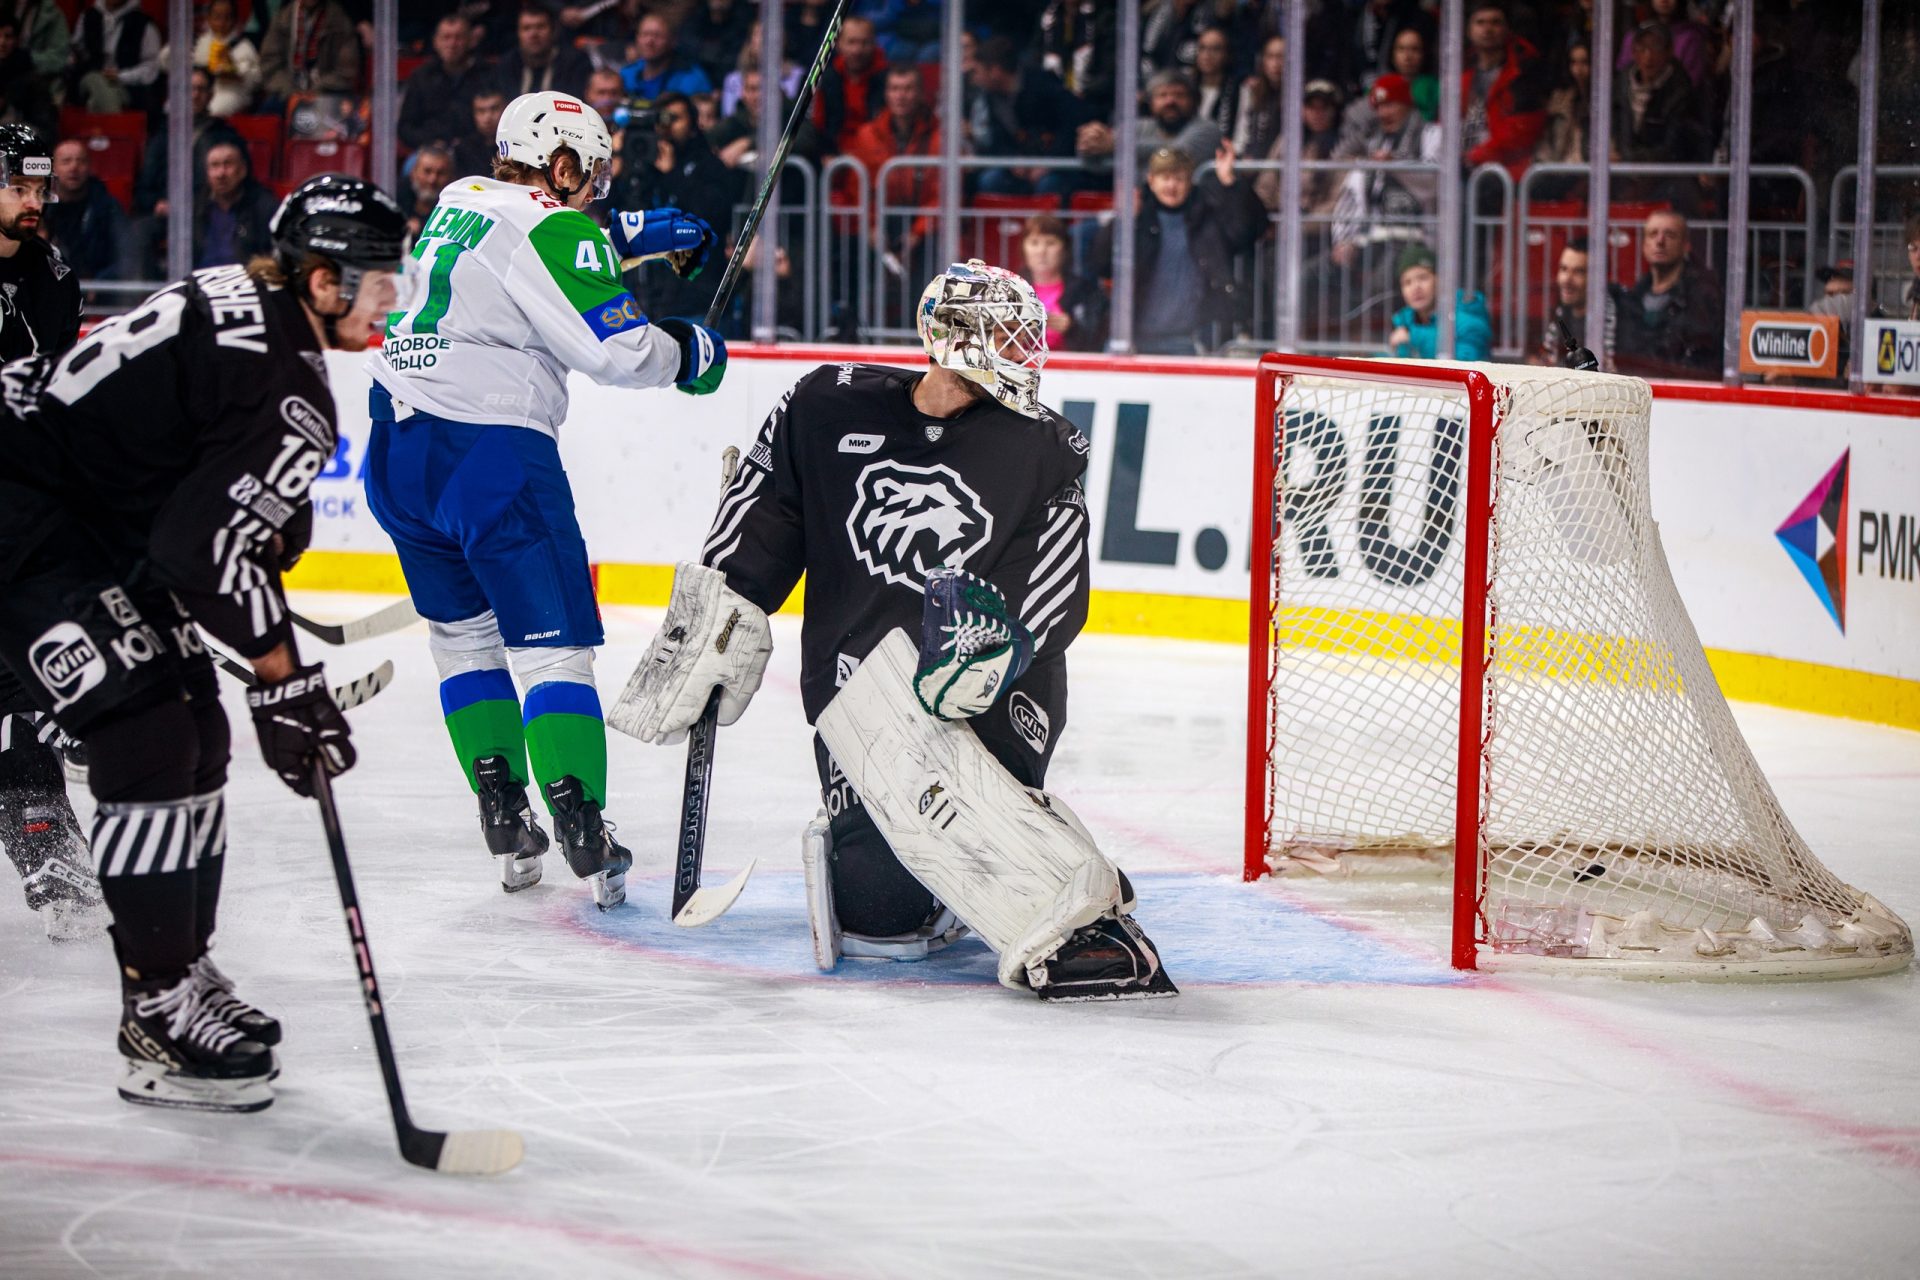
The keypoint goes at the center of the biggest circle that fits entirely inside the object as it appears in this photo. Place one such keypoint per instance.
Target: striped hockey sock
(483, 719)
(566, 736)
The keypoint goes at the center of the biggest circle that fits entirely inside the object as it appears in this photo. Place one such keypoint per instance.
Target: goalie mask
(988, 326)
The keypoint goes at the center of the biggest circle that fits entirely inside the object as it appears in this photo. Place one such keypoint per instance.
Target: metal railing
(1884, 273)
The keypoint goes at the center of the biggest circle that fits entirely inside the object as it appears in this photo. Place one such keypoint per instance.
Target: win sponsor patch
(616, 314)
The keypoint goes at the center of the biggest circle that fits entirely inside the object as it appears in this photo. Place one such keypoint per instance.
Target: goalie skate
(1109, 959)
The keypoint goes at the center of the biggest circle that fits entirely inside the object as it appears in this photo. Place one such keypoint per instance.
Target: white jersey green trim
(520, 290)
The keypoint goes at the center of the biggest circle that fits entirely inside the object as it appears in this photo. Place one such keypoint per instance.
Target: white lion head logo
(907, 521)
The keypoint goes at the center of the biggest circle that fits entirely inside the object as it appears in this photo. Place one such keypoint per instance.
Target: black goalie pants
(120, 667)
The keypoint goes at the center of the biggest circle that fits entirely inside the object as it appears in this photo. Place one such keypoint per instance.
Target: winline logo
(1815, 535)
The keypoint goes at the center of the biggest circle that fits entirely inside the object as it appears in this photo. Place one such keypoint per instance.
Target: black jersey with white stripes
(182, 437)
(851, 484)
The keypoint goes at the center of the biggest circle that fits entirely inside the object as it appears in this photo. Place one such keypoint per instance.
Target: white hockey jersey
(518, 290)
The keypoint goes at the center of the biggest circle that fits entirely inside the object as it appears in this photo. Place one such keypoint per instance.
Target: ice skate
(45, 844)
(1110, 959)
(218, 995)
(180, 1053)
(591, 851)
(506, 819)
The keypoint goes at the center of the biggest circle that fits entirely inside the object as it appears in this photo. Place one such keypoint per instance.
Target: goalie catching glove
(970, 650)
(711, 637)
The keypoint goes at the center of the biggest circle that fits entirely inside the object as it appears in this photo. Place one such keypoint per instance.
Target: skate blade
(709, 904)
(149, 1084)
(1159, 987)
(74, 921)
(514, 877)
(609, 889)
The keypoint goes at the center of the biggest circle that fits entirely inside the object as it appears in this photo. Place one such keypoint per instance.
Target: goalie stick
(467, 1151)
(345, 696)
(378, 623)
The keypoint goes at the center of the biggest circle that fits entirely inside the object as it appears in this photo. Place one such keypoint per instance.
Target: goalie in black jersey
(940, 520)
(152, 479)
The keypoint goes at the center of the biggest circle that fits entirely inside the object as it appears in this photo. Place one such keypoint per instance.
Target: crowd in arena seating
(280, 91)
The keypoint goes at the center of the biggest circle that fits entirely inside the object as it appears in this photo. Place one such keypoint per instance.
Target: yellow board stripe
(1745, 677)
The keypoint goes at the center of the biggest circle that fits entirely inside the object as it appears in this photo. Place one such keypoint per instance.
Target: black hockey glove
(297, 720)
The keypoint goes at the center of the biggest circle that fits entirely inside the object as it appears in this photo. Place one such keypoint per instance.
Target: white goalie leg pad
(472, 644)
(711, 636)
(1007, 864)
(816, 846)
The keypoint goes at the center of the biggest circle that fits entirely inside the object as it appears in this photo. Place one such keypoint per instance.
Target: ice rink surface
(1326, 1097)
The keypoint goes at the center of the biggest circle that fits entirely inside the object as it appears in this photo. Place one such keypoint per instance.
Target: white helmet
(535, 125)
(987, 325)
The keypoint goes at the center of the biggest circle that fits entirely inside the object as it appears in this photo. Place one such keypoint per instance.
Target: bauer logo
(855, 442)
(67, 663)
(1815, 536)
(908, 520)
(1029, 721)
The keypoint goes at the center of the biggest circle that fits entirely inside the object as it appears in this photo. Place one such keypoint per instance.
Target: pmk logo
(1815, 535)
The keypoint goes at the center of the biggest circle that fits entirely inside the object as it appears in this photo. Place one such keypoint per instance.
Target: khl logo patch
(909, 520)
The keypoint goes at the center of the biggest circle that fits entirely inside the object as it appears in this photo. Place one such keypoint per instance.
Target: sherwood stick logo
(1815, 535)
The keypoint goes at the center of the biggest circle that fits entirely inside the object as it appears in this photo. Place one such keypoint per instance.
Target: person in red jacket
(850, 88)
(905, 128)
(1499, 91)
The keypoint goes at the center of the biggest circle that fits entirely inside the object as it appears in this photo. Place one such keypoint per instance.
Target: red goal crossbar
(1276, 375)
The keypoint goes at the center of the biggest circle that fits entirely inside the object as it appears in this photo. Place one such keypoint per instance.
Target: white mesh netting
(1623, 820)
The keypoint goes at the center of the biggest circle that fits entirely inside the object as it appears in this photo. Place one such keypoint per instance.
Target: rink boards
(1792, 520)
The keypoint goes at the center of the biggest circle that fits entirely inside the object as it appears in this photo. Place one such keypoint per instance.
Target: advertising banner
(1893, 352)
(1789, 342)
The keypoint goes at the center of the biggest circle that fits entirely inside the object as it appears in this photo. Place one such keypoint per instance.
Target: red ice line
(180, 1176)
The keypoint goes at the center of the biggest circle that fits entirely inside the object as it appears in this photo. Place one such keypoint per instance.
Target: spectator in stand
(438, 106)
(1187, 293)
(1319, 140)
(230, 58)
(1499, 91)
(1076, 305)
(1022, 112)
(739, 134)
(1078, 41)
(749, 56)
(657, 67)
(474, 150)
(428, 174)
(1410, 63)
(715, 32)
(1219, 98)
(150, 188)
(910, 30)
(1172, 105)
(539, 63)
(1378, 205)
(1656, 119)
(1416, 329)
(905, 127)
(231, 223)
(1564, 140)
(310, 48)
(1693, 42)
(1569, 315)
(1910, 296)
(1672, 321)
(1170, 31)
(28, 93)
(682, 173)
(607, 94)
(806, 22)
(851, 87)
(1258, 117)
(1369, 51)
(44, 35)
(83, 219)
(116, 57)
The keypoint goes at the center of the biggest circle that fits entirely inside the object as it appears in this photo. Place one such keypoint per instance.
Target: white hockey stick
(378, 623)
(345, 696)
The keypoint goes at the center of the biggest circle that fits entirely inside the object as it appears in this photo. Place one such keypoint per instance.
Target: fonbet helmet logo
(908, 520)
(67, 662)
(1815, 535)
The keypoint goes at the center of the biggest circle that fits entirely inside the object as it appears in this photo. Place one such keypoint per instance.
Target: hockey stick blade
(693, 823)
(709, 904)
(346, 696)
(469, 1152)
(378, 623)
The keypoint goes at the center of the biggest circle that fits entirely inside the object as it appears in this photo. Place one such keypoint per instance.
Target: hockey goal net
(1466, 638)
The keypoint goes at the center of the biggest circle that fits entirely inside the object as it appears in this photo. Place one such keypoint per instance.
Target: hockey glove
(296, 720)
(711, 636)
(703, 356)
(970, 650)
(683, 239)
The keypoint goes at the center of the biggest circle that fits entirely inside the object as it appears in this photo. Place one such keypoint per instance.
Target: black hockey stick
(692, 905)
(345, 696)
(378, 623)
(758, 210)
(468, 1151)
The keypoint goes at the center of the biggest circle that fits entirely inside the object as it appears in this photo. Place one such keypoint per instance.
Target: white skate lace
(218, 991)
(188, 1017)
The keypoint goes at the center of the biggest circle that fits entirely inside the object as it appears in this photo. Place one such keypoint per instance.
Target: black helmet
(23, 154)
(348, 221)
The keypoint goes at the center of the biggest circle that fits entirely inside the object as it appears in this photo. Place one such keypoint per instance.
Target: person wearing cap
(1383, 207)
(1409, 55)
(1173, 120)
(1319, 136)
(1187, 298)
(1416, 328)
